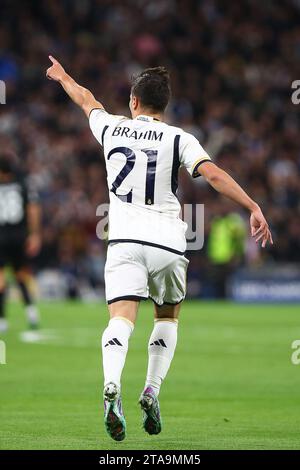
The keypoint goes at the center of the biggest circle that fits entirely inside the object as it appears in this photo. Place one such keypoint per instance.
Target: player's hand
(260, 228)
(33, 245)
(56, 71)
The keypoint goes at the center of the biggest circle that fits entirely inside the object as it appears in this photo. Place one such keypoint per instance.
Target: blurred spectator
(226, 248)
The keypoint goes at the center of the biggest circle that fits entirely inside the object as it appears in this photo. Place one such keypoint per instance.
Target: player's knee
(124, 308)
(2, 280)
(21, 276)
(166, 311)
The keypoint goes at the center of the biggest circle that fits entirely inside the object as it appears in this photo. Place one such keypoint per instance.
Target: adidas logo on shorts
(159, 342)
(113, 342)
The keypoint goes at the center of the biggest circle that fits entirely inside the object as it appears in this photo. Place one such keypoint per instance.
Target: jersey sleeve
(99, 121)
(192, 154)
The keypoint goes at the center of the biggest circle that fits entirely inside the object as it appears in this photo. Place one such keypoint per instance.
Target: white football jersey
(143, 157)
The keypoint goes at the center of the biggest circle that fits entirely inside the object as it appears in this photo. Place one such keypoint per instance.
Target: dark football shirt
(14, 197)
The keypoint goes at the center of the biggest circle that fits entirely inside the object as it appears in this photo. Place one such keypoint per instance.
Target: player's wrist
(64, 77)
(253, 206)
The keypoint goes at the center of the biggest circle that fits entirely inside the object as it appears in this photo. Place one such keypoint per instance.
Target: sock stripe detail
(119, 317)
(171, 320)
(159, 342)
(117, 342)
(113, 342)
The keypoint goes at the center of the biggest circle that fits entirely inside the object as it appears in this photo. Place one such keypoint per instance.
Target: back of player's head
(152, 88)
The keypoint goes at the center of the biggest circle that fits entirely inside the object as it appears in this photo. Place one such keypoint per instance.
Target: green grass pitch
(231, 386)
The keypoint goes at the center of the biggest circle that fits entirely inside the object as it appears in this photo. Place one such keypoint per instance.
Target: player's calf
(33, 316)
(31, 310)
(3, 321)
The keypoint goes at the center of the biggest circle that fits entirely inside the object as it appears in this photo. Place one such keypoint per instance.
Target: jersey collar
(144, 117)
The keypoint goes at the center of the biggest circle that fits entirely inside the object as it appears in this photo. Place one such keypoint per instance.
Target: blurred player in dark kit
(20, 217)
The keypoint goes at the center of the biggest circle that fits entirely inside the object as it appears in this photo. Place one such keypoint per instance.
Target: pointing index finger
(53, 60)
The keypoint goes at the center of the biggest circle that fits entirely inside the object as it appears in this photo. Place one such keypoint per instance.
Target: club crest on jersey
(120, 131)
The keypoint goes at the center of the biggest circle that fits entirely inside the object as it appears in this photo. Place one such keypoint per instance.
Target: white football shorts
(134, 271)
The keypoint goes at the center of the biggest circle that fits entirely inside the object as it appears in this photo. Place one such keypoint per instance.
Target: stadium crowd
(232, 65)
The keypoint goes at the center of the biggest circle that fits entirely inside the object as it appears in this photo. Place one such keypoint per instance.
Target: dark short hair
(152, 87)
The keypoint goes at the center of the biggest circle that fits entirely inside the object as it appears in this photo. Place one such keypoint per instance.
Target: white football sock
(114, 348)
(161, 350)
(32, 315)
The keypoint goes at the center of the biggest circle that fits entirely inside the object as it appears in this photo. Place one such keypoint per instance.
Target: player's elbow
(214, 176)
(85, 97)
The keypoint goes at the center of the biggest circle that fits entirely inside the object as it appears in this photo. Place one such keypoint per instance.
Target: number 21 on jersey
(128, 167)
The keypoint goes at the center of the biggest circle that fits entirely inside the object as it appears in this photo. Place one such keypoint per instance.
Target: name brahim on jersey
(137, 135)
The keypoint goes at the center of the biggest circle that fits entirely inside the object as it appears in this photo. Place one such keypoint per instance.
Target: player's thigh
(125, 278)
(19, 260)
(167, 277)
(3, 256)
(124, 308)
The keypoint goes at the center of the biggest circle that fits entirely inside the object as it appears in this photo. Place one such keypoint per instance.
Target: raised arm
(80, 95)
(226, 185)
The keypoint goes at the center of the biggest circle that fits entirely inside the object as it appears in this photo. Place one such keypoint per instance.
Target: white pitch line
(74, 337)
(40, 337)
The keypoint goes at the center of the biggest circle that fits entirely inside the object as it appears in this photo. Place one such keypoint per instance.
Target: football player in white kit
(147, 242)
